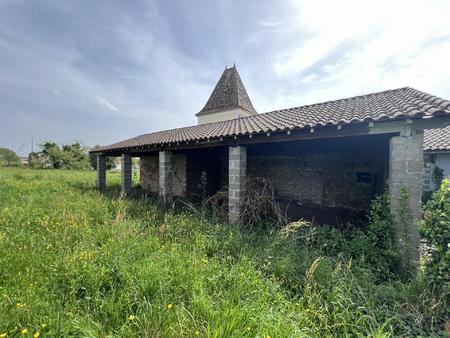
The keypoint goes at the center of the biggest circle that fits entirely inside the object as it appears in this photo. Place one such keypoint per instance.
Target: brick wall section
(406, 170)
(237, 173)
(126, 177)
(101, 173)
(149, 174)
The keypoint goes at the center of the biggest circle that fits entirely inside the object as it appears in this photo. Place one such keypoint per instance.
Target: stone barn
(326, 161)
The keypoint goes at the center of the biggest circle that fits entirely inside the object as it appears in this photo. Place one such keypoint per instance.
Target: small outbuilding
(324, 160)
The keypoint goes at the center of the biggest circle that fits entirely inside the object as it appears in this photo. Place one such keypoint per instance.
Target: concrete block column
(165, 176)
(237, 176)
(126, 182)
(406, 175)
(101, 172)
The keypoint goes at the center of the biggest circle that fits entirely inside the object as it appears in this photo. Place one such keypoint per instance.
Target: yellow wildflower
(3, 335)
(21, 305)
(131, 317)
(37, 334)
(43, 325)
(197, 333)
(169, 306)
(24, 331)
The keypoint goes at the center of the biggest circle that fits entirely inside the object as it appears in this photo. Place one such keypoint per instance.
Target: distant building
(24, 160)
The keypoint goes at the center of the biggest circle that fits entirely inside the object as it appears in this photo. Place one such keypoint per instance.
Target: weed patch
(74, 262)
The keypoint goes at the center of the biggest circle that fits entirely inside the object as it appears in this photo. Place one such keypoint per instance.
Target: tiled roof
(229, 93)
(391, 104)
(437, 139)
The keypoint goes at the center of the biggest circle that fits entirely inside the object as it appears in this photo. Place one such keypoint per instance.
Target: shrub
(9, 158)
(373, 245)
(435, 229)
(438, 176)
(377, 242)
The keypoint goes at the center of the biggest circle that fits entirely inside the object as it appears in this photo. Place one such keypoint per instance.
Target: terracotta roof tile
(437, 139)
(397, 103)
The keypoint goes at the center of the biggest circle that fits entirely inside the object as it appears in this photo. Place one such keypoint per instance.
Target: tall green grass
(77, 263)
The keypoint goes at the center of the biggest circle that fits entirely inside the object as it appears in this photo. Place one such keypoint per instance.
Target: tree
(9, 158)
(34, 160)
(51, 155)
(109, 161)
(69, 156)
(75, 156)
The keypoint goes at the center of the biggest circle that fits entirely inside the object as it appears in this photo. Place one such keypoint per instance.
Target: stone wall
(330, 181)
(149, 174)
(318, 180)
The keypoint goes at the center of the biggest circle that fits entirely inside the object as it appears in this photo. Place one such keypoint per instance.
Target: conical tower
(229, 100)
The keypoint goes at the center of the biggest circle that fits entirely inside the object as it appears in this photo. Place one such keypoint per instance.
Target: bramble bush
(435, 230)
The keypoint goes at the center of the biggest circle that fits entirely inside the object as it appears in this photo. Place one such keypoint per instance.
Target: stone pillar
(237, 175)
(101, 172)
(125, 162)
(405, 188)
(165, 177)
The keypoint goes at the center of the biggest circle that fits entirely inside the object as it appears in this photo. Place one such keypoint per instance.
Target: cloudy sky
(101, 71)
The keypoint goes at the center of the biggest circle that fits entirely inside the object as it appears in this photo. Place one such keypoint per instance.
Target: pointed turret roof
(228, 94)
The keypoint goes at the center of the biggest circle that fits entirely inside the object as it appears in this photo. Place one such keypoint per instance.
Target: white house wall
(443, 162)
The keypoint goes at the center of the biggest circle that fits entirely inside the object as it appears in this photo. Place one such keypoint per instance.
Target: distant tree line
(55, 156)
(69, 156)
(66, 156)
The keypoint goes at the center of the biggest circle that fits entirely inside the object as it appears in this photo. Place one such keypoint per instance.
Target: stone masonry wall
(149, 173)
(317, 180)
(329, 181)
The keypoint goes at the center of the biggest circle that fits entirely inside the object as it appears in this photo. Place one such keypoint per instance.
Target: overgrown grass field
(77, 263)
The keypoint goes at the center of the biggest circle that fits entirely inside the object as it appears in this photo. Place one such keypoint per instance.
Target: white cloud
(387, 44)
(268, 23)
(101, 101)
